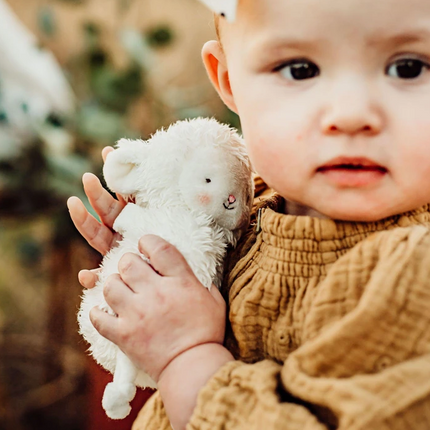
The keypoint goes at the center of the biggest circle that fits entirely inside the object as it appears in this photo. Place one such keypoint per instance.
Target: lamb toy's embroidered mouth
(231, 200)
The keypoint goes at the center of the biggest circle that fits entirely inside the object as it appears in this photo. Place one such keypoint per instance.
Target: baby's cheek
(204, 199)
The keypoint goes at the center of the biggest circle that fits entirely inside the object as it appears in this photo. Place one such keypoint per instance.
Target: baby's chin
(351, 208)
(362, 213)
(352, 205)
(298, 209)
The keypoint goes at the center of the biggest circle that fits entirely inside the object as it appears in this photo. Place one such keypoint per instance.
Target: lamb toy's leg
(119, 393)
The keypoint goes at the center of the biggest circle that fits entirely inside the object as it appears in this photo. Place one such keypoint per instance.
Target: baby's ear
(120, 168)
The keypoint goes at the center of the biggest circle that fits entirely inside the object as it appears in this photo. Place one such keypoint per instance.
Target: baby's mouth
(352, 172)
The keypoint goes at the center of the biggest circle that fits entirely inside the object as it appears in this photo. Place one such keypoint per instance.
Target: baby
(329, 293)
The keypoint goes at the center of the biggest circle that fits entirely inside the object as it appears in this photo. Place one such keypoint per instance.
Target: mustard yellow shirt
(329, 322)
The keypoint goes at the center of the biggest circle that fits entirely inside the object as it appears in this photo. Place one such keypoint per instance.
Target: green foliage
(91, 35)
(160, 36)
(75, 2)
(100, 124)
(231, 118)
(46, 21)
(112, 88)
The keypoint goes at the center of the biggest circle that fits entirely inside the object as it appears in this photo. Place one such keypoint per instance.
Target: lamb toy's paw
(116, 399)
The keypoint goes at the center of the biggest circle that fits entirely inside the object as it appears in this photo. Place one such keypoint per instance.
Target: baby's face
(334, 100)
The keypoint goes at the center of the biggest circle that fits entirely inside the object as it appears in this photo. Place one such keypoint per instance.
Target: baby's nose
(231, 199)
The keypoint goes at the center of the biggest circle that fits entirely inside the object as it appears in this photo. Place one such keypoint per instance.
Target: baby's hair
(217, 18)
(216, 22)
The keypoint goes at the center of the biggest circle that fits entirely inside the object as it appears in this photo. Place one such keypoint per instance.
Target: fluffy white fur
(192, 185)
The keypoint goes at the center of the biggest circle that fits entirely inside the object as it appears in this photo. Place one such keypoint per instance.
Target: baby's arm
(190, 371)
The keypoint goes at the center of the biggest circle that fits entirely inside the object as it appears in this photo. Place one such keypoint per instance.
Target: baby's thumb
(88, 278)
(105, 151)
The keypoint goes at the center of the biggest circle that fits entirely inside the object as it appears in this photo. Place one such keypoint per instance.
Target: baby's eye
(298, 70)
(407, 68)
(208, 181)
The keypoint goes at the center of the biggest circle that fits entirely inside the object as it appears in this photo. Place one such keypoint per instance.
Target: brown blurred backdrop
(132, 66)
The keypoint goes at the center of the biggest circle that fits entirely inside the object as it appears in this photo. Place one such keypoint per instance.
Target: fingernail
(81, 274)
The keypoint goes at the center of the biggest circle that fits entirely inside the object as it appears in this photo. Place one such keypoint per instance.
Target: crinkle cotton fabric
(329, 322)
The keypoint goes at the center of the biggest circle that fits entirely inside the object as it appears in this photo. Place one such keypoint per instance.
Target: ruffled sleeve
(152, 416)
(365, 358)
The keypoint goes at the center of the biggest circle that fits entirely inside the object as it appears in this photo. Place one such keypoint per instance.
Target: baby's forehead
(362, 20)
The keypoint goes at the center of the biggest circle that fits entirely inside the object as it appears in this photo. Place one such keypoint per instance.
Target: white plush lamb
(192, 185)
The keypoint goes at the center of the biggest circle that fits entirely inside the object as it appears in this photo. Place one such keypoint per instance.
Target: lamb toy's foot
(117, 398)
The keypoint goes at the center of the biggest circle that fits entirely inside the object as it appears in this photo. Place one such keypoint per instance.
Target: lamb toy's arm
(128, 219)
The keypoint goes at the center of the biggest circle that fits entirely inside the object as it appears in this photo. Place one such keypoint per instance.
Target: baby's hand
(98, 234)
(162, 311)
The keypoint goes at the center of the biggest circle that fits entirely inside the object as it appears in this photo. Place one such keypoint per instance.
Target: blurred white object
(32, 84)
(225, 8)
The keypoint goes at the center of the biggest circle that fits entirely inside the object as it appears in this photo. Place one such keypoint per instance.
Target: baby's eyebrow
(399, 39)
(277, 43)
(376, 40)
(265, 49)
(270, 46)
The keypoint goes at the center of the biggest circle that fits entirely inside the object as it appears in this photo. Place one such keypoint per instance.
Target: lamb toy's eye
(208, 181)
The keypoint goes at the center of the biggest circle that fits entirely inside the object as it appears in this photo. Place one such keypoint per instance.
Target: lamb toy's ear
(120, 168)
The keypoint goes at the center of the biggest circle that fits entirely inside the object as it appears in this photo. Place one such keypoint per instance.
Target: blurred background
(75, 76)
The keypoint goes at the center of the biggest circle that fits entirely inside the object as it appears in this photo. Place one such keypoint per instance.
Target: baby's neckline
(293, 208)
(274, 221)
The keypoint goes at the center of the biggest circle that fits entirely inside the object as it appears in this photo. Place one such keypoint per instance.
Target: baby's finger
(88, 278)
(117, 293)
(97, 235)
(103, 203)
(164, 257)
(136, 272)
(105, 152)
(107, 325)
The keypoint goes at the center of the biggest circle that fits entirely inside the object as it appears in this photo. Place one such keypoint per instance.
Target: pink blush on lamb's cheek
(204, 199)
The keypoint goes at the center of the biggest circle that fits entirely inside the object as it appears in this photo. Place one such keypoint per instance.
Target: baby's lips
(348, 161)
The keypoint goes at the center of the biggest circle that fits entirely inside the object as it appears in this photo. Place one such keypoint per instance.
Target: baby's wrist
(181, 380)
(191, 359)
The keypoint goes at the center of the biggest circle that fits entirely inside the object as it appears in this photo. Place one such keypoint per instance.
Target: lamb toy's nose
(231, 199)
